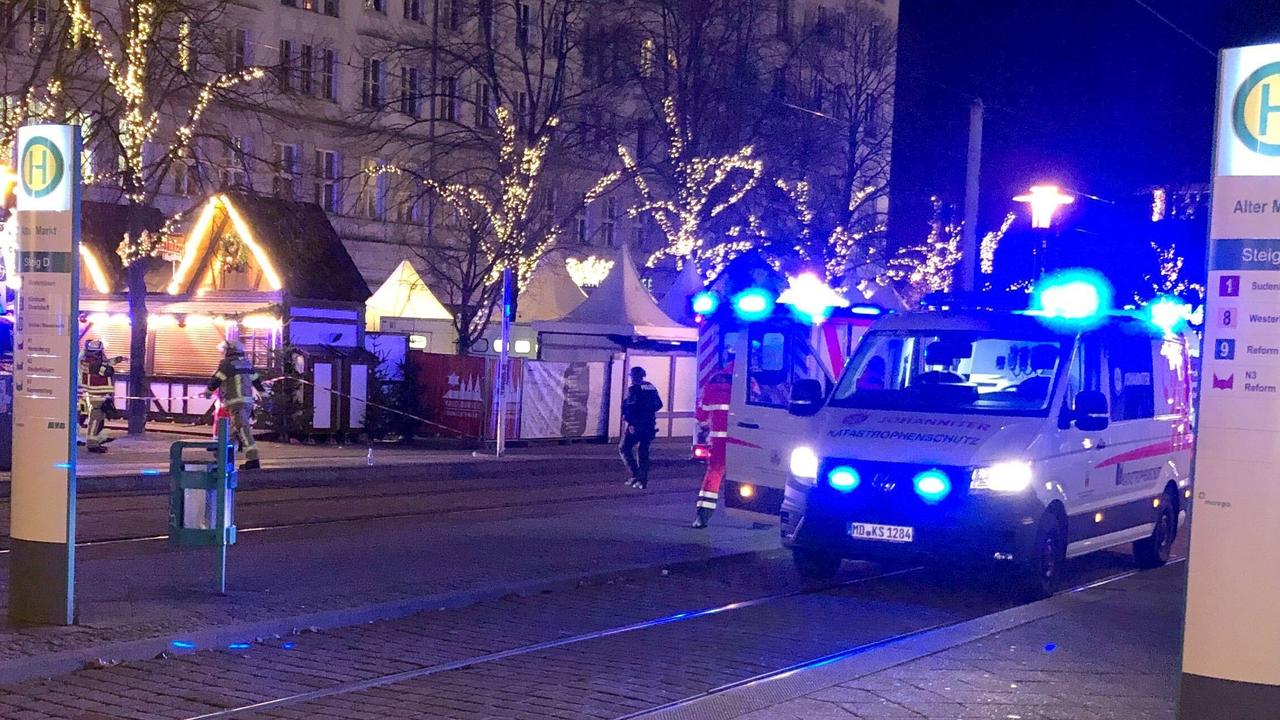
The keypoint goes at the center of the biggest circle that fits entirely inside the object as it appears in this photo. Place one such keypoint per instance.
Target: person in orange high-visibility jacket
(714, 412)
(96, 389)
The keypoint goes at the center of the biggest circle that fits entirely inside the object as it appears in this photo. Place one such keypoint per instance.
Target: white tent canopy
(676, 302)
(551, 293)
(404, 295)
(621, 306)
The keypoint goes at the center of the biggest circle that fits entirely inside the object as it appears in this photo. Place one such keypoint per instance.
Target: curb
(758, 695)
(282, 478)
(65, 663)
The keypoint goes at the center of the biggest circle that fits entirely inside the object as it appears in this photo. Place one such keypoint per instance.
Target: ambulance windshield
(953, 372)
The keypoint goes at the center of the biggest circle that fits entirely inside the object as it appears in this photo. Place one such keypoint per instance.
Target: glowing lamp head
(1044, 201)
(811, 298)
(705, 302)
(1076, 299)
(753, 304)
(844, 478)
(746, 492)
(933, 486)
(1168, 313)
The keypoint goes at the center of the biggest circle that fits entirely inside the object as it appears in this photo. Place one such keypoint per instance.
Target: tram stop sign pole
(1230, 664)
(43, 493)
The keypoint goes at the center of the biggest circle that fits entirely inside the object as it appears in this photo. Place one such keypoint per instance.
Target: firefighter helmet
(94, 347)
(232, 348)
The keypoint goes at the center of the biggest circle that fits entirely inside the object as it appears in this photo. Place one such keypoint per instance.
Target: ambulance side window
(768, 368)
(1129, 369)
(1085, 373)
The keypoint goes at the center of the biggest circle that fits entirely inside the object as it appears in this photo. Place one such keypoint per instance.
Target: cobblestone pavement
(1111, 653)
(524, 532)
(606, 677)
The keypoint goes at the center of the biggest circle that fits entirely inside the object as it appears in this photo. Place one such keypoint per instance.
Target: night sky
(1100, 96)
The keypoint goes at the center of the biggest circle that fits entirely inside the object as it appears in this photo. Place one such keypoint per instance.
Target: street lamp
(1044, 201)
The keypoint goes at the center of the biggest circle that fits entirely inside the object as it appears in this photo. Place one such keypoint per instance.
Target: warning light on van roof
(1168, 313)
(705, 302)
(1076, 299)
(753, 304)
(811, 298)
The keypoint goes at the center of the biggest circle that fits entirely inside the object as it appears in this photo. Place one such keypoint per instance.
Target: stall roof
(293, 242)
(551, 293)
(621, 306)
(404, 294)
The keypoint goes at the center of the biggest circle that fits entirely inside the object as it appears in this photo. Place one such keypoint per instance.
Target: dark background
(1100, 96)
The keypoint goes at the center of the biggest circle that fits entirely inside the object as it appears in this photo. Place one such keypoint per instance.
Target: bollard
(202, 496)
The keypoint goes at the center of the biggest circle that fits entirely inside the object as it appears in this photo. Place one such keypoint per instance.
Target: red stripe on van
(1147, 451)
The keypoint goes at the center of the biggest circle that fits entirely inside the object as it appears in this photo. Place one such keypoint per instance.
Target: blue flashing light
(238, 646)
(870, 310)
(62, 466)
(753, 304)
(183, 645)
(705, 302)
(844, 478)
(1168, 313)
(932, 486)
(151, 471)
(288, 646)
(1050, 648)
(1076, 299)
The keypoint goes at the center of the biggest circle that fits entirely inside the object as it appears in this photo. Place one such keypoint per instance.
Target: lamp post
(1045, 200)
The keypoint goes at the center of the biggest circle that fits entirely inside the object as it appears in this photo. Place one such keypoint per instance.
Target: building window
(406, 202)
(285, 158)
(7, 25)
(326, 195)
(875, 48)
(522, 111)
(237, 49)
(523, 15)
(450, 14)
(331, 8)
(410, 92)
(39, 18)
(413, 10)
(485, 11)
(376, 5)
(484, 105)
(329, 74)
(285, 68)
(584, 237)
(371, 88)
(609, 227)
(306, 70)
(187, 175)
(235, 163)
(373, 189)
(447, 106)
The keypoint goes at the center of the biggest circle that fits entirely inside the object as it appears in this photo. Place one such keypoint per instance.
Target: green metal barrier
(202, 496)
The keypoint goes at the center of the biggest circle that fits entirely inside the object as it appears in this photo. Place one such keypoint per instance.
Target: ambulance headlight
(804, 463)
(1005, 477)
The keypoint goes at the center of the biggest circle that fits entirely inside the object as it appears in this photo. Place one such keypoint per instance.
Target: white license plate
(883, 533)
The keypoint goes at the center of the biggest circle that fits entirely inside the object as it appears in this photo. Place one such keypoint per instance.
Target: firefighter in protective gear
(97, 388)
(713, 411)
(235, 380)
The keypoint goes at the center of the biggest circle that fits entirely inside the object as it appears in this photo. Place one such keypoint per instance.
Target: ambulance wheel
(1153, 552)
(815, 564)
(1040, 572)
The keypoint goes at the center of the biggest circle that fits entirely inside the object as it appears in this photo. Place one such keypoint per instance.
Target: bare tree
(156, 93)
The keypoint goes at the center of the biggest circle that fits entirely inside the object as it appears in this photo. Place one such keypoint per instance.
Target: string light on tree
(930, 266)
(698, 181)
(991, 242)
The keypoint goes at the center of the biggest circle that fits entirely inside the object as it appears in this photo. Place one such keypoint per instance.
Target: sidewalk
(1107, 653)
(142, 463)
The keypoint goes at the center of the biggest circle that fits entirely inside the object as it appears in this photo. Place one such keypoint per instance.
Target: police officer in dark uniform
(640, 425)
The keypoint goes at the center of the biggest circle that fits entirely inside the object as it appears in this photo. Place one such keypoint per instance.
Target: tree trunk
(137, 272)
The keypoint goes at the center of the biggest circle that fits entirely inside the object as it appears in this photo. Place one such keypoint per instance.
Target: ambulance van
(991, 436)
